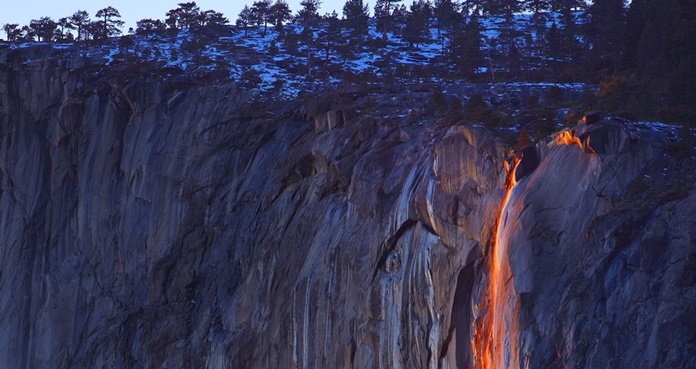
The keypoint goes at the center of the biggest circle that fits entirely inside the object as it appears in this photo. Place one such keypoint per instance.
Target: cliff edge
(156, 223)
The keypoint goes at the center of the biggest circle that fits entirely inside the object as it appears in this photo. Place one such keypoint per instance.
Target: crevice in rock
(309, 166)
(446, 342)
(428, 228)
(455, 210)
(460, 322)
(390, 244)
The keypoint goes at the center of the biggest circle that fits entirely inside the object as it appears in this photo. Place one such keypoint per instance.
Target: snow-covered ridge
(263, 60)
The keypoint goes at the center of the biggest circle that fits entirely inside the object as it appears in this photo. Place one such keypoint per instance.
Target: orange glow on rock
(495, 321)
(568, 138)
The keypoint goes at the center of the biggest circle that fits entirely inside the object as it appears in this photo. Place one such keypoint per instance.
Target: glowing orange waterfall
(495, 318)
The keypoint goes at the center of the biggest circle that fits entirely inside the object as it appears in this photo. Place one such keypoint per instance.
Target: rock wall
(148, 224)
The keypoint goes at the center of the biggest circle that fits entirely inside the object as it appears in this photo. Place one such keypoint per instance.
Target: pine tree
(27, 34)
(331, 34)
(65, 24)
(279, 14)
(467, 48)
(559, 6)
(571, 49)
(44, 28)
(381, 12)
(185, 16)
(537, 7)
(657, 47)
(244, 20)
(398, 19)
(472, 7)
(510, 8)
(666, 54)
(308, 15)
(505, 8)
(260, 13)
(537, 27)
(126, 43)
(212, 20)
(635, 25)
(356, 15)
(448, 17)
(603, 31)
(554, 47)
(80, 19)
(685, 25)
(93, 30)
(148, 25)
(511, 54)
(384, 14)
(417, 29)
(12, 31)
(111, 22)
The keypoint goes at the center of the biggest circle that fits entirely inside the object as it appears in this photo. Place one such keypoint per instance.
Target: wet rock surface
(146, 224)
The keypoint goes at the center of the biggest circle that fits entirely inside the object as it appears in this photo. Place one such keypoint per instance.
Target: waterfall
(495, 316)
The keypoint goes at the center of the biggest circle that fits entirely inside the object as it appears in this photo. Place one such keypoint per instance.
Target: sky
(23, 11)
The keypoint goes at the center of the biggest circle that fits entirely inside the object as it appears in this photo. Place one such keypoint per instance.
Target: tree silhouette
(12, 31)
(467, 48)
(148, 25)
(603, 31)
(448, 17)
(539, 10)
(331, 35)
(308, 15)
(212, 20)
(472, 7)
(44, 27)
(416, 30)
(280, 13)
(27, 34)
(260, 13)
(65, 24)
(553, 42)
(93, 30)
(571, 5)
(665, 55)
(356, 15)
(110, 21)
(635, 24)
(384, 16)
(537, 7)
(244, 19)
(80, 19)
(185, 16)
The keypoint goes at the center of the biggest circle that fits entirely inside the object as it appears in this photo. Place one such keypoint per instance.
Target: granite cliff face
(149, 224)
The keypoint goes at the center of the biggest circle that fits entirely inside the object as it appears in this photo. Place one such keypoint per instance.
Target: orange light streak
(497, 324)
(568, 138)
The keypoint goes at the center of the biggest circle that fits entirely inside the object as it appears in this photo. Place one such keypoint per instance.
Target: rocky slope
(147, 224)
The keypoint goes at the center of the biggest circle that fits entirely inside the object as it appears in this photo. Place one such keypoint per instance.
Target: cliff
(152, 223)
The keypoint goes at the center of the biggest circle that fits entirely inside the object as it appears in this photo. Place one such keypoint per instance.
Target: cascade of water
(495, 320)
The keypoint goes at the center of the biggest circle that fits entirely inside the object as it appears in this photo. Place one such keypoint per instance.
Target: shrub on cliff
(555, 95)
(250, 78)
(544, 122)
(477, 110)
(437, 104)
(524, 140)
(684, 147)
